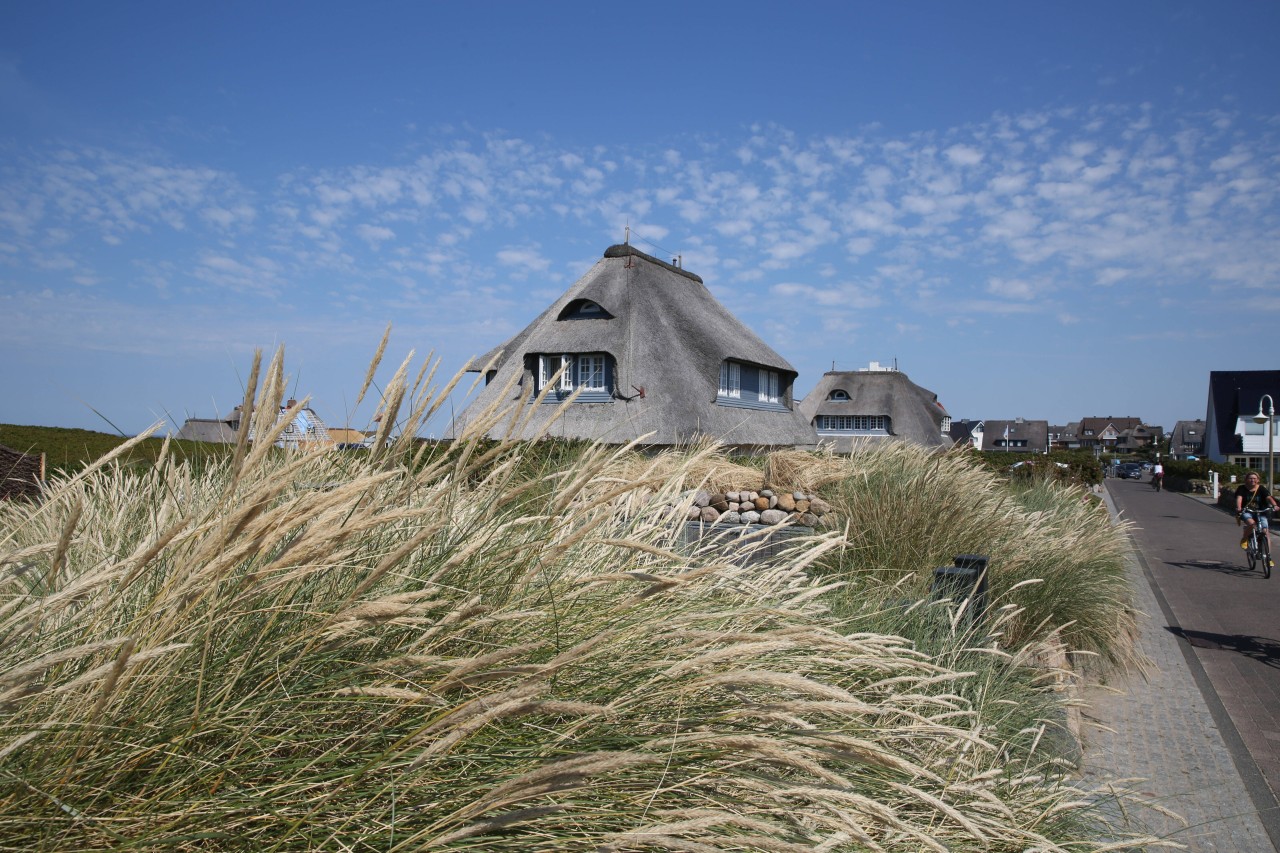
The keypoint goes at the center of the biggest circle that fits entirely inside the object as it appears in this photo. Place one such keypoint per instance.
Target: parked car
(1129, 471)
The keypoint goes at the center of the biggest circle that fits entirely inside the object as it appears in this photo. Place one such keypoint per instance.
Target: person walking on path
(1251, 498)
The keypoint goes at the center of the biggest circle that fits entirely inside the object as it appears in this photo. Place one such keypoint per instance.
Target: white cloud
(375, 235)
(964, 155)
(1010, 288)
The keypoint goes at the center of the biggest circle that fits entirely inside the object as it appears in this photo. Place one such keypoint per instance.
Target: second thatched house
(639, 349)
(876, 404)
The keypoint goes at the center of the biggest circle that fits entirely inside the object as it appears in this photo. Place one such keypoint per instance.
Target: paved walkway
(1170, 733)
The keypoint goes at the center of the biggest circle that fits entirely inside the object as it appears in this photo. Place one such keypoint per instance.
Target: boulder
(786, 503)
(761, 504)
(773, 516)
(709, 515)
(750, 517)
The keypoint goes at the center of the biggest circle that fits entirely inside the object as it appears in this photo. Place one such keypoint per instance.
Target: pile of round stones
(758, 507)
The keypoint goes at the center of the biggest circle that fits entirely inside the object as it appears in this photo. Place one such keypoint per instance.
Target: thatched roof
(209, 429)
(914, 412)
(666, 334)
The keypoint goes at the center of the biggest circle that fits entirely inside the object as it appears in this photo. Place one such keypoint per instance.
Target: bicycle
(1258, 545)
(1157, 481)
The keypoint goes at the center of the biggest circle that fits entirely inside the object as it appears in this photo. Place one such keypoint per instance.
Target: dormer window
(838, 396)
(590, 373)
(853, 424)
(750, 386)
(584, 309)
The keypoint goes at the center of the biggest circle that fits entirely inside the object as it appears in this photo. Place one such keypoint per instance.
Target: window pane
(730, 379)
(591, 372)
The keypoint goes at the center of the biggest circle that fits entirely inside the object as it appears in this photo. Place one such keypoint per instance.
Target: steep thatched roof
(666, 334)
(209, 429)
(914, 412)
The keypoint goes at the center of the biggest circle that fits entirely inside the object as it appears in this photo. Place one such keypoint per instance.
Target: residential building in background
(304, 430)
(876, 403)
(1186, 439)
(1019, 435)
(1115, 435)
(1235, 398)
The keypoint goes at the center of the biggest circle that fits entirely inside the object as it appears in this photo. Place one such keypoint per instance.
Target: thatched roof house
(650, 352)
(875, 404)
(305, 430)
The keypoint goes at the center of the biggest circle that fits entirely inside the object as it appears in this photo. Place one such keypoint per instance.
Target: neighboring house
(877, 403)
(346, 436)
(1016, 436)
(306, 430)
(1187, 439)
(639, 349)
(962, 432)
(1104, 433)
(212, 430)
(1235, 397)
(1137, 437)
(1061, 437)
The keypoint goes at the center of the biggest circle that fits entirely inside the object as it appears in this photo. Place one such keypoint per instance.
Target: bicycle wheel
(1265, 556)
(1252, 551)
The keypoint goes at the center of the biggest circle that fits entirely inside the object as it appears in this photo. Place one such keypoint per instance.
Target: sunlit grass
(458, 647)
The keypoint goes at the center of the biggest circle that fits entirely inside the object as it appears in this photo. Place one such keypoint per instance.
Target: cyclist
(1157, 476)
(1250, 498)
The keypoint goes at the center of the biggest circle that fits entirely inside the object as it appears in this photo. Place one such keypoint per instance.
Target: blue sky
(1039, 210)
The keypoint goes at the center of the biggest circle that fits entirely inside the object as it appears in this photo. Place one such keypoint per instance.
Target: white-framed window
(946, 425)
(549, 366)
(769, 386)
(1250, 428)
(730, 380)
(839, 396)
(591, 373)
(854, 423)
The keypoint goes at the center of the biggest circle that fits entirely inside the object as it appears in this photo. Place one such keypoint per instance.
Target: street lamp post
(1269, 417)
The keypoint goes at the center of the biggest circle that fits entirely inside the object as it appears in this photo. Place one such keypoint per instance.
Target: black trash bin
(964, 581)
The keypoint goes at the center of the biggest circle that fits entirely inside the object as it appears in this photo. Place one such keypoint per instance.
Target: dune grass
(456, 647)
(1054, 554)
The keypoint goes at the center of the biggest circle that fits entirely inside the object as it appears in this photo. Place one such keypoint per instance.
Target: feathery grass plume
(247, 414)
(373, 364)
(451, 652)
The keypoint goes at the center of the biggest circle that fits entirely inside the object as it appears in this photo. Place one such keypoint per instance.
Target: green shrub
(1054, 551)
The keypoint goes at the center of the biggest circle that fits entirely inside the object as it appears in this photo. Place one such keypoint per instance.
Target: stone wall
(763, 506)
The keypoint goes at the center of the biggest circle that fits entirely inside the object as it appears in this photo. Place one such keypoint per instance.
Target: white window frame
(769, 386)
(731, 380)
(839, 396)
(549, 365)
(591, 372)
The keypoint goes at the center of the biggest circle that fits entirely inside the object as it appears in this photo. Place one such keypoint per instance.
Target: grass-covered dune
(471, 650)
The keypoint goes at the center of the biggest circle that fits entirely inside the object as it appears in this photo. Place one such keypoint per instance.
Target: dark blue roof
(1234, 393)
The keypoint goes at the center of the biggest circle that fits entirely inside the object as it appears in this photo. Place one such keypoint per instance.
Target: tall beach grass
(453, 648)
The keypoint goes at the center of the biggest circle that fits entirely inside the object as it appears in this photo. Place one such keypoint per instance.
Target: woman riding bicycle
(1251, 498)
